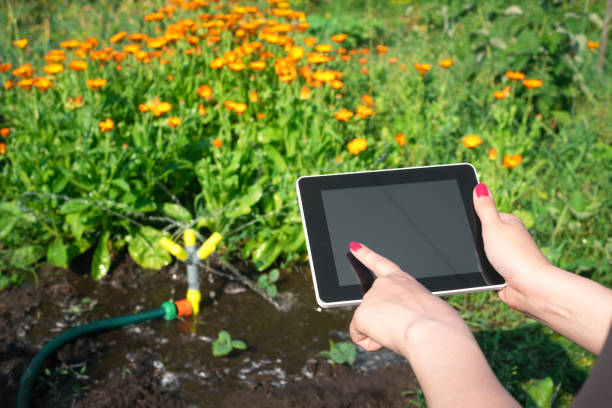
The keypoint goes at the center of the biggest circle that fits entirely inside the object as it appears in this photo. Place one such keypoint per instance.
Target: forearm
(576, 307)
(452, 370)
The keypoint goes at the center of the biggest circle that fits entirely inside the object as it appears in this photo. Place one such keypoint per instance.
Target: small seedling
(340, 353)
(87, 305)
(266, 281)
(224, 344)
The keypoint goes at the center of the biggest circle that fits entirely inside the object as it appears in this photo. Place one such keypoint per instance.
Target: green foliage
(224, 344)
(340, 353)
(540, 393)
(267, 281)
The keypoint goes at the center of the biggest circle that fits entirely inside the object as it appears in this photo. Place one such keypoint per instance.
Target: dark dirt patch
(169, 364)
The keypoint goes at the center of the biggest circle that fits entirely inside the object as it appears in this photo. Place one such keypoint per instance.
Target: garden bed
(170, 363)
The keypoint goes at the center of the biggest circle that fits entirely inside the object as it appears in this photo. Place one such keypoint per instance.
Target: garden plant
(126, 122)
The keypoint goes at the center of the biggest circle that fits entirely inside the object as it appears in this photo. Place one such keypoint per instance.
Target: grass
(67, 187)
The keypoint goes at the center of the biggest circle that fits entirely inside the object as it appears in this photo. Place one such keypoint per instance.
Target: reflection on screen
(422, 227)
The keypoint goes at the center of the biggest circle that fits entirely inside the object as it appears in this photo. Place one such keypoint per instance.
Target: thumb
(484, 205)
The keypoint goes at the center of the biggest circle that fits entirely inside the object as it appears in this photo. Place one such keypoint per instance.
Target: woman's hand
(510, 249)
(397, 306)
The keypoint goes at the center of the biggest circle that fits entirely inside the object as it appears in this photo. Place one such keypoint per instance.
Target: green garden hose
(168, 310)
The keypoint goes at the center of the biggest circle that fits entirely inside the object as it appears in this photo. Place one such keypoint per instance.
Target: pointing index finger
(378, 264)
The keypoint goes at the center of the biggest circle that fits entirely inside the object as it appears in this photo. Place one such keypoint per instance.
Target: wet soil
(170, 363)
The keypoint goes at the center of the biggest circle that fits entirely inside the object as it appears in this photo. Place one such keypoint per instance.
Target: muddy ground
(170, 364)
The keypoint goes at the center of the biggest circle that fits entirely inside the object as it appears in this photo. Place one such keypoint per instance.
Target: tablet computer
(421, 218)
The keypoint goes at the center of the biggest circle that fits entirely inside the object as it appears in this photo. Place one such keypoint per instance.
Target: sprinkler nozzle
(194, 297)
(209, 246)
(174, 248)
(189, 237)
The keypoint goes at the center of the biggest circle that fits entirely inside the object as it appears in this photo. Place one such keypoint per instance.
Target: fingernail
(354, 246)
(482, 190)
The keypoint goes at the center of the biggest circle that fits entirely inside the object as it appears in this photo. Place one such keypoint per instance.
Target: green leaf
(268, 257)
(221, 348)
(57, 253)
(225, 336)
(349, 352)
(10, 208)
(144, 248)
(78, 224)
(26, 255)
(540, 393)
(73, 206)
(6, 225)
(274, 275)
(252, 196)
(526, 217)
(122, 184)
(144, 205)
(577, 201)
(271, 290)
(277, 159)
(239, 344)
(268, 135)
(176, 211)
(100, 263)
(262, 281)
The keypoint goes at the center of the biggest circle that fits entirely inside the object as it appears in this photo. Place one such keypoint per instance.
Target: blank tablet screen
(422, 227)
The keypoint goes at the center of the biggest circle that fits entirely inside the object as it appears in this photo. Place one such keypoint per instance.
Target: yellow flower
(8, 84)
(324, 48)
(502, 94)
(78, 65)
(70, 44)
(446, 63)
(343, 115)
(305, 93)
(400, 139)
(174, 121)
(532, 83)
(96, 84)
(512, 161)
(363, 111)
(253, 96)
(218, 63)
(492, 154)
(339, 38)
(257, 65)
(106, 125)
(593, 45)
(160, 108)
(367, 99)
(471, 141)
(296, 52)
(154, 17)
(24, 71)
(204, 91)
(26, 83)
(422, 68)
(21, 44)
(6, 67)
(2, 148)
(357, 145)
(53, 68)
(201, 110)
(335, 84)
(117, 38)
(236, 66)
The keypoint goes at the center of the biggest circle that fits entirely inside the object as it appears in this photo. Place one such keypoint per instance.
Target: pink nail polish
(354, 246)
(482, 190)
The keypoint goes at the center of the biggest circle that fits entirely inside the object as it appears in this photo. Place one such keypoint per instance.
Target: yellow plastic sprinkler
(191, 256)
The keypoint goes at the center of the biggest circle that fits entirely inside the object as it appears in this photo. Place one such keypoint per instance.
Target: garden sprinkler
(191, 256)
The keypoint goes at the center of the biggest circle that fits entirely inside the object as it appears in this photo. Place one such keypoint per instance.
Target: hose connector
(194, 296)
(174, 248)
(209, 246)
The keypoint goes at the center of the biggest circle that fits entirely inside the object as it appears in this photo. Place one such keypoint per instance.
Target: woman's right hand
(509, 247)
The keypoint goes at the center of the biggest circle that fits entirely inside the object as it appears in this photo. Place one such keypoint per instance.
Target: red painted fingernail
(482, 190)
(354, 246)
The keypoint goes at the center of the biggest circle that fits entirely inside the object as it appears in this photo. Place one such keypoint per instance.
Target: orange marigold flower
(260, 116)
(236, 66)
(492, 153)
(237, 107)
(382, 50)
(158, 42)
(137, 37)
(117, 38)
(324, 48)
(515, 75)
(201, 110)
(4, 132)
(160, 108)
(339, 159)
(253, 96)
(74, 103)
(392, 60)
(53, 68)
(324, 76)
(70, 44)
(305, 93)
(55, 56)
(6, 67)
(24, 71)
(205, 91)
(154, 17)
(21, 44)
(532, 83)
(96, 84)
(217, 142)
(512, 161)
(26, 83)
(357, 145)
(364, 70)
(2, 148)
(446, 63)
(343, 115)
(339, 38)
(345, 58)
(257, 65)
(42, 84)
(315, 58)
(310, 41)
(499, 94)
(422, 68)
(335, 84)
(296, 52)
(400, 139)
(367, 99)
(143, 107)
(193, 40)
(593, 45)
(218, 63)
(471, 141)
(77, 65)
(174, 121)
(363, 111)
(8, 84)
(106, 125)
